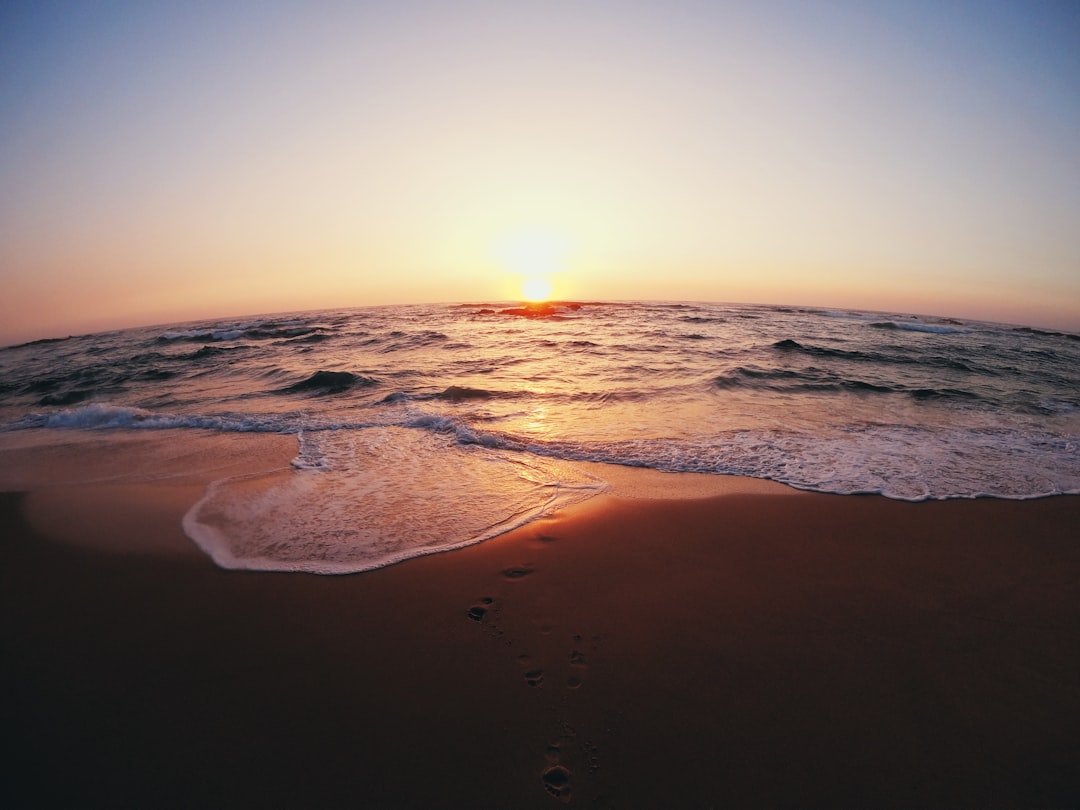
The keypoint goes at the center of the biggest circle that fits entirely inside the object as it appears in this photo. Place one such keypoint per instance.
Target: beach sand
(759, 648)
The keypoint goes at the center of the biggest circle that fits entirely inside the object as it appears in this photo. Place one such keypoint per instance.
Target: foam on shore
(357, 502)
(348, 502)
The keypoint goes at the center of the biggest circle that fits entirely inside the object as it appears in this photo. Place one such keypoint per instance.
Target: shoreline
(134, 497)
(747, 649)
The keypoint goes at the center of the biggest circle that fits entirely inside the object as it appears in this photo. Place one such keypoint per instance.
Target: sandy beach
(759, 648)
(510, 406)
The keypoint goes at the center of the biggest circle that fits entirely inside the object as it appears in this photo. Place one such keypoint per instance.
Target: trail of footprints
(555, 776)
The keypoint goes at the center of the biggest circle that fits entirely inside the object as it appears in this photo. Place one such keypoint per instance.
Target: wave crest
(330, 382)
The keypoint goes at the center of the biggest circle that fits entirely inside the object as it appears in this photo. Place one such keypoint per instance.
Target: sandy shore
(752, 649)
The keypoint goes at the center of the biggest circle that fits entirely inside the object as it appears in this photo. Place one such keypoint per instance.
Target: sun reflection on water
(538, 424)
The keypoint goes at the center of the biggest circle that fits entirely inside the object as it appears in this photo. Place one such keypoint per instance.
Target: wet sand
(762, 650)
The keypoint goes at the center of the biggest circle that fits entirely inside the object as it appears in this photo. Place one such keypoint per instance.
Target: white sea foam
(365, 499)
(933, 328)
(98, 415)
(101, 415)
(900, 462)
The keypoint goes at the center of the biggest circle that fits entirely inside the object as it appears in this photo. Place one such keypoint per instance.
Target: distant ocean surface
(422, 428)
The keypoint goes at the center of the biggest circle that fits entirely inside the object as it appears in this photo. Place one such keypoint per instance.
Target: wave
(937, 329)
(872, 459)
(788, 381)
(330, 382)
(213, 351)
(39, 342)
(403, 341)
(819, 381)
(1030, 330)
(395, 398)
(452, 393)
(788, 345)
(457, 393)
(81, 384)
(314, 337)
(89, 376)
(943, 393)
(66, 398)
(793, 346)
(66, 385)
(258, 330)
(546, 313)
(103, 415)
(938, 361)
(860, 458)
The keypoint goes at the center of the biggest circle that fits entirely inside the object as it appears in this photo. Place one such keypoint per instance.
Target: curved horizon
(526, 304)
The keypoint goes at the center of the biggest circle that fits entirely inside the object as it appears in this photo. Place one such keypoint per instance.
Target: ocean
(425, 428)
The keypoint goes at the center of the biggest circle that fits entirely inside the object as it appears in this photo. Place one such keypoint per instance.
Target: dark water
(391, 403)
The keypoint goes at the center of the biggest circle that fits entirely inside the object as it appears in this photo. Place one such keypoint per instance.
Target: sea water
(423, 428)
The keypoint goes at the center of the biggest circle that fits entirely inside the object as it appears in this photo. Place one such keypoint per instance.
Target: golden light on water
(538, 424)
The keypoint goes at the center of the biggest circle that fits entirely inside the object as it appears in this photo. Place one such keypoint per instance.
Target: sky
(162, 161)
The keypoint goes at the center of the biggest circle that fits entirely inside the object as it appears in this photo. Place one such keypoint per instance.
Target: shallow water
(427, 427)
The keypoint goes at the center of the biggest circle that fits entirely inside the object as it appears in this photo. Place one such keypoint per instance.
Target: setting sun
(532, 255)
(536, 288)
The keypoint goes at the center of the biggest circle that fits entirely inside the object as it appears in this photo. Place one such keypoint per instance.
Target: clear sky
(163, 161)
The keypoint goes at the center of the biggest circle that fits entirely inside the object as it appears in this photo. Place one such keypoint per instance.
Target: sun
(536, 289)
(532, 255)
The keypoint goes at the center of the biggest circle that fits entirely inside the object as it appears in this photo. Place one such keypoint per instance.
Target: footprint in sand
(556, 776)
(592, 756)
(479, 610)
(557, 782)
(577, 662)
(534, 677)
(518, 572)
